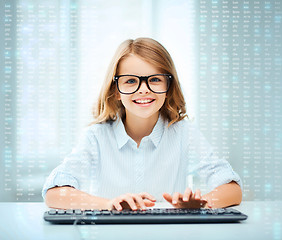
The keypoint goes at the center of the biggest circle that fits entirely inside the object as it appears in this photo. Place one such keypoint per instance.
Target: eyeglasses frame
(145, 79)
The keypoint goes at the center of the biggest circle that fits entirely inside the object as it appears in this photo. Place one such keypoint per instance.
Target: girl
(140, 148)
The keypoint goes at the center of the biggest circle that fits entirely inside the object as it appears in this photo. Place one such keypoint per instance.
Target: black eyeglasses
(129, 84)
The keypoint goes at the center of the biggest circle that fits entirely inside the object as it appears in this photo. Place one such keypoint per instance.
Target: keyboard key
(115, 212)
(125, 212)
(106, 212)
(234, 211)
(61, 211)
(52, 211)
(77, 212)
(69, 211)
(88, 212)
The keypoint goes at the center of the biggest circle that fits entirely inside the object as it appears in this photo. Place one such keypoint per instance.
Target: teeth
(143, 101)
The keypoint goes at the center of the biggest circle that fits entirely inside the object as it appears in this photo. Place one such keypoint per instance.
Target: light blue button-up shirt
(107, 162)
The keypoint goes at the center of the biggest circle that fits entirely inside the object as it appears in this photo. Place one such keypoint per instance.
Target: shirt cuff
(223, 178)
(60, 179)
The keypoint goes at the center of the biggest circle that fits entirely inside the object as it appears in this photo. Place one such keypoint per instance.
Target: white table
(25, 221)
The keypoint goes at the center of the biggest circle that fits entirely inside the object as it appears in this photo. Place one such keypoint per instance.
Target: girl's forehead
(136, 65)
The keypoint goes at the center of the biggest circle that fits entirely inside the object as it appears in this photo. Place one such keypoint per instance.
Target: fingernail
(174, 202)
(185, 199)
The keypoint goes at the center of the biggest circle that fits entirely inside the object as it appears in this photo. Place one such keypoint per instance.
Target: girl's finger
(167, 197)
(175, 198)
(148, 196)
(149, 203)
(130, 202)
(139, 200)
(198, 194)
(187, 194)
(117, 205)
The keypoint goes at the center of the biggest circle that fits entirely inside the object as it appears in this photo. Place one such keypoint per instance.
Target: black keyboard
(156, 215)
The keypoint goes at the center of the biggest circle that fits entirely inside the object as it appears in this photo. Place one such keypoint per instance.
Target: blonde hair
(109, 108)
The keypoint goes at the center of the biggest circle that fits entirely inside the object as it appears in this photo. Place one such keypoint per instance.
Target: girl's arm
(224, 195)
(71, 198)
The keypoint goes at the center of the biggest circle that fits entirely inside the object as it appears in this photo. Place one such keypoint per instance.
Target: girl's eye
(131, 81)
(155, 79)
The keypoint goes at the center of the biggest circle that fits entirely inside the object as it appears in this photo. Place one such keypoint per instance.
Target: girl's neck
(137, 128)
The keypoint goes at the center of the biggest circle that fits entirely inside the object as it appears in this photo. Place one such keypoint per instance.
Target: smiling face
(143, 103)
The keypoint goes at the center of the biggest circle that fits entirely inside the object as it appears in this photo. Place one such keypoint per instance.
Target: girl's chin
(143, 115)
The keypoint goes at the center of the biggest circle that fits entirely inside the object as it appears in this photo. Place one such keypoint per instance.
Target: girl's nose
(143, 88)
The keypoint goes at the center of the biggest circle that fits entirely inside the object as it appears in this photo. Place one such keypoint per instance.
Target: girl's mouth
(143, 102)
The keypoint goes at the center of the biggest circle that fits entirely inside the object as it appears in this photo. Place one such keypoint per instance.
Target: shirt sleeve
(214, 170)
(77, 167)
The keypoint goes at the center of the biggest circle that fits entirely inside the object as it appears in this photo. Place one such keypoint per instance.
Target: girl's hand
(187, 200)
(132, 201)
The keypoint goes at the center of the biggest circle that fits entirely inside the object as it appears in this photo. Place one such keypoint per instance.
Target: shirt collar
(120, 133)
(122, 137)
